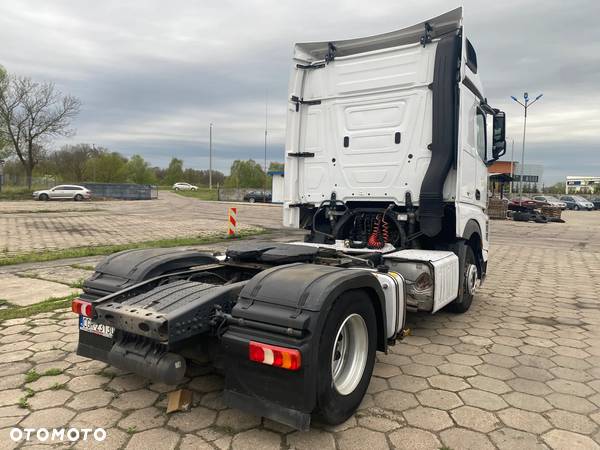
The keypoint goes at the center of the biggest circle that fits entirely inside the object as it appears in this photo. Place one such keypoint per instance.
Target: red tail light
(286, 358)
(79, 306)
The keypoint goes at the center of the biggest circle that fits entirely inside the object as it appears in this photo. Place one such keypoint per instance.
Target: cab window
(480, 134)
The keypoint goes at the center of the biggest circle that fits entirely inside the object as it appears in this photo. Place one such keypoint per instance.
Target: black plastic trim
(302, 155)
(445, 133)
(471, 86)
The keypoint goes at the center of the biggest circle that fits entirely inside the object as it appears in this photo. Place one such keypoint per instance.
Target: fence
(122, 191)
(20, 181)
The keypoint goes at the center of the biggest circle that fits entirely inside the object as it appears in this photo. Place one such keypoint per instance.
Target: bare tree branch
(31, 112)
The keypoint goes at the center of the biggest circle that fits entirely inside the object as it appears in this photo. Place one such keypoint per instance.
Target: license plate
(87, 324)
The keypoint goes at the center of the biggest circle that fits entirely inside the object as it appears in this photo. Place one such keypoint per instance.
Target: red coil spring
(385, 230)
(375, 239)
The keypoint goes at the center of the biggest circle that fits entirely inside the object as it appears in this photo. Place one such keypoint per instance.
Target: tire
(44, 197)
(78, 198)
(251, 200)
(519, 216)
(339, 395)
(576, 207)
(465, 297)
(176, 189)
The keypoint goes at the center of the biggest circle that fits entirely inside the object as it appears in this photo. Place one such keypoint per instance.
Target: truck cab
(396, 122)
(387, 148)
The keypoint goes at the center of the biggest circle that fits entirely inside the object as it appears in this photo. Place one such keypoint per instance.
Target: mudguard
(123, 269)
(294, 302)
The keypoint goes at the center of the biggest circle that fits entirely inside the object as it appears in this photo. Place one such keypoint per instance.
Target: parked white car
(552, 201)
(184, 187)
(64, 192)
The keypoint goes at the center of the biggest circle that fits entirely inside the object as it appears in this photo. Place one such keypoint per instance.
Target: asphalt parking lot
(520, 370)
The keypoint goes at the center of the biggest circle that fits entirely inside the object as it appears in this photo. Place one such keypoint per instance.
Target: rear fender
(294, 299)
(306, 292)
(124, 269)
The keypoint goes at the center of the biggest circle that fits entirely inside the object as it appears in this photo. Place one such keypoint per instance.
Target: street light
(210, 156)
(526, 104)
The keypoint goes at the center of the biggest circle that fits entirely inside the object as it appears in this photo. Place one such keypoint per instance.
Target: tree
(556, 188)
(245, 174)
(107, 168)
(69, 163)
(4, 143)
(31, 113)
(139, 171)
(200, 177)
(174, 172)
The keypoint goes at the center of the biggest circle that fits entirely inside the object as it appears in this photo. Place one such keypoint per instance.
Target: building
(584, 185)
(532, 175)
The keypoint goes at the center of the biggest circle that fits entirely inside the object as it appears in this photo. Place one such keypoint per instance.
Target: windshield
(550, 198)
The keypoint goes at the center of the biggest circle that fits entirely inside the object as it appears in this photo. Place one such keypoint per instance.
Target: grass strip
(79, 252)
(48, 305)
(201, 194)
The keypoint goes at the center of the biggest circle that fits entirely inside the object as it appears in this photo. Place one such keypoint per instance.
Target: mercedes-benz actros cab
(386, 152)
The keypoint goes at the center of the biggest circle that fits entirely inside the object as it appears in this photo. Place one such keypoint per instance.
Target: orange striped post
(232, 222)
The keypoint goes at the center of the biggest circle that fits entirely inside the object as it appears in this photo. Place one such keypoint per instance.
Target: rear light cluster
(79, 306)
(286, 358)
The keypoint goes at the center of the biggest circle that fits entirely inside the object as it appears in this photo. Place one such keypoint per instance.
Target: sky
(152, 75)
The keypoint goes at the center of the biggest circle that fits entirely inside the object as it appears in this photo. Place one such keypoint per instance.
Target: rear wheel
(346, 357)
(469, 284)
(251, 200)
(576, 207)
(78, 198)
(44, 197)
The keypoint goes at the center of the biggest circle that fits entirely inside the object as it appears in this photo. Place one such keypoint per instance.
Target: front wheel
(346, 357)
(44, 197)
(251, 200)
(469, 284)
(576, 207)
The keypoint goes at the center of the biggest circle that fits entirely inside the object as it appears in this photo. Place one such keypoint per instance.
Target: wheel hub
(349, 355)
(471, 278)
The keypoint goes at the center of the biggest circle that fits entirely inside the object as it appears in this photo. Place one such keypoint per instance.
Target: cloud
(153, 75)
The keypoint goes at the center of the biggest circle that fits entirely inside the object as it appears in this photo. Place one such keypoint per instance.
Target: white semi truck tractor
(386, 153)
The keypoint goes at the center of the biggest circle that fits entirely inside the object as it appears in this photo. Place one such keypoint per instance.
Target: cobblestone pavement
(520, 370)
(29, 226)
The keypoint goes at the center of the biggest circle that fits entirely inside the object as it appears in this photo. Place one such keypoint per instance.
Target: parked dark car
(596, 202)
(576, 202)
(525, 203)
(257, 196)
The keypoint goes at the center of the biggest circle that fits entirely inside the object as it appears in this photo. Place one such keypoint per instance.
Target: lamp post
(210, 156)
(266, 128)
(525, 104)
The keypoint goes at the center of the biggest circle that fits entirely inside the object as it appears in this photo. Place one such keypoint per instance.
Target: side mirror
(499, 135)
